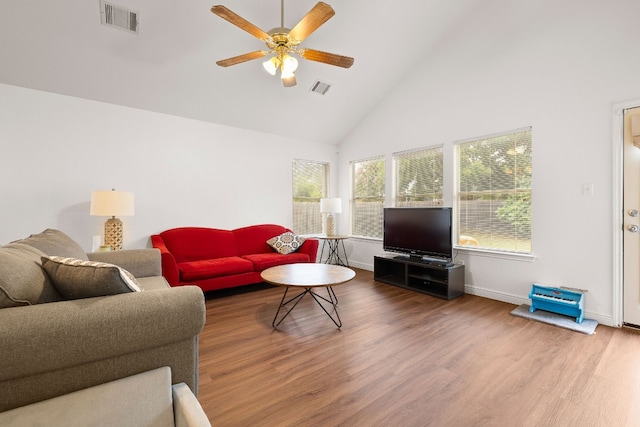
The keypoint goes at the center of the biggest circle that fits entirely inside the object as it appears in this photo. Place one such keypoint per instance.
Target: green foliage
(517, 210)
(308, 190)
(498, 163)
(308, 180)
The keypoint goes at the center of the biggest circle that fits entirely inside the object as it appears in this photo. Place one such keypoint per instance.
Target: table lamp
(331, 206)
(112, 203)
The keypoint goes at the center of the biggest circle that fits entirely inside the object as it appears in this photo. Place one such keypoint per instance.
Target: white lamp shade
(271, 65)
(331, 205)
(112, 203)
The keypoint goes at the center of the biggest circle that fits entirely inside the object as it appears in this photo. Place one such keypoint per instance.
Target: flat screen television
(423, 233)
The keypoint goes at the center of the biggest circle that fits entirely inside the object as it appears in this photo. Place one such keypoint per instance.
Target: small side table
(336, 253)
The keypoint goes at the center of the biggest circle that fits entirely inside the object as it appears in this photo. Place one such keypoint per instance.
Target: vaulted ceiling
(169, 66)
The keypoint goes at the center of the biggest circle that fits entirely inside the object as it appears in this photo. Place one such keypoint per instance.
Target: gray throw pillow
(76, 278)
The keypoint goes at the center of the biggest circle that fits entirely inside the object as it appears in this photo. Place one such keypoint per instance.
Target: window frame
(352, 199)
(314, 212)
(457, 197)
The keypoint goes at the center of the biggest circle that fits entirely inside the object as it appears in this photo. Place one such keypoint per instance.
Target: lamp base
(331, 225)
(113, 233)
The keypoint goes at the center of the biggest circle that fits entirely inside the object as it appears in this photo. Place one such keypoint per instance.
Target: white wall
(556, 66)
(55, 150)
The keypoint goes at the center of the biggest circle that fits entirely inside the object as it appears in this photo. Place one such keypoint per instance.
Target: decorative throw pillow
(286, 243)
(75, 278)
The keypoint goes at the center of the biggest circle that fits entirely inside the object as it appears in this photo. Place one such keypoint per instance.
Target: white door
(631, 217)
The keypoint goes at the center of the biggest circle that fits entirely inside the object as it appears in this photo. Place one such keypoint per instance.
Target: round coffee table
(306, 277)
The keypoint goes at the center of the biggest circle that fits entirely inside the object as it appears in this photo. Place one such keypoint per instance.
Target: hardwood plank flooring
(406, 359)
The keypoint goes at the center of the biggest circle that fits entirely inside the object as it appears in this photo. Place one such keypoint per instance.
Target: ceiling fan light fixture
(271, 65)
(289, 64)
(289, 81)
(282, 41)
(285, 75)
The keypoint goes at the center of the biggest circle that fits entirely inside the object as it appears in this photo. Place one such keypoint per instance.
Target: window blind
(494, 191)
(368, 193)
(418, 177)
(310, 182)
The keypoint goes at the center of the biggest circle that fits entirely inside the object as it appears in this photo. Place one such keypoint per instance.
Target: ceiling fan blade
(239, 21)
(327, 58)
(317, 16)
(241, 58)
(289, 81)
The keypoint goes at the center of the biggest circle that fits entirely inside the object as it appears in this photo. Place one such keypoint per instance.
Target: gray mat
(587, 326)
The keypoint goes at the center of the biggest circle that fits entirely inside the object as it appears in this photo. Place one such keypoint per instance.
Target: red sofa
(215, 259)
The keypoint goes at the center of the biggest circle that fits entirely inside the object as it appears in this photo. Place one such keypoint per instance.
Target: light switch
(587, 189)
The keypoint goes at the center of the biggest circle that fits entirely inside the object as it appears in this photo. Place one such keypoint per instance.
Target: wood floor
(406, 359)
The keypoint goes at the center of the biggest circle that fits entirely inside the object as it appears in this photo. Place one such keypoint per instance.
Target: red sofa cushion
(198, 243)
(231, 281)
(207, 268)
(253, 239)
(264, 261)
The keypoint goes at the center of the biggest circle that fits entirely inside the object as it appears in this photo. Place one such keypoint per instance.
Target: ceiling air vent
(118, 17)
(320, 87)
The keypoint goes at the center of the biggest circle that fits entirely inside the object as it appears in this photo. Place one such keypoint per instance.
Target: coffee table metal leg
(283, 303)
(333, 295)
(333, 300)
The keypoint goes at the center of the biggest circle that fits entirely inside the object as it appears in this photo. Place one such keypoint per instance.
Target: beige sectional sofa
(143, 400)
(52, 345)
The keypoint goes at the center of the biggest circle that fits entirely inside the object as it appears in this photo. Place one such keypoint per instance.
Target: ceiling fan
(282, 42)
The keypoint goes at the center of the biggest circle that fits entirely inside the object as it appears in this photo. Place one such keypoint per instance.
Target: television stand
(425, 260)
(436, 279)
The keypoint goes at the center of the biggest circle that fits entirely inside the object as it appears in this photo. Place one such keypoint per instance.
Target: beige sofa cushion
(152, 283)
(140, 400)
(22, 279)
(139, 262)
(55, 242)
(74, 278)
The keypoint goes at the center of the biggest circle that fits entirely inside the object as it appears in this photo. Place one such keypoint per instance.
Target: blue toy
(557, 300)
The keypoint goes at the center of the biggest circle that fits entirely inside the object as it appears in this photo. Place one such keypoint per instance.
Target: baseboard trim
(361, 265)
(496, 295)
(506, 297)
(518, 300)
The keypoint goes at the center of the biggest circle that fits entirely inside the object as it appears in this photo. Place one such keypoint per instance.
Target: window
(310, 181)
(418, 178)
(367, 200)
(494, 191)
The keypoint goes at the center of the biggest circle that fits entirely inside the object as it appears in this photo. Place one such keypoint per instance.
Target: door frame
(617, 129)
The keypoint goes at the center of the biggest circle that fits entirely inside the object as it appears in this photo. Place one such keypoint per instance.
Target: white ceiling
(169, 67)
